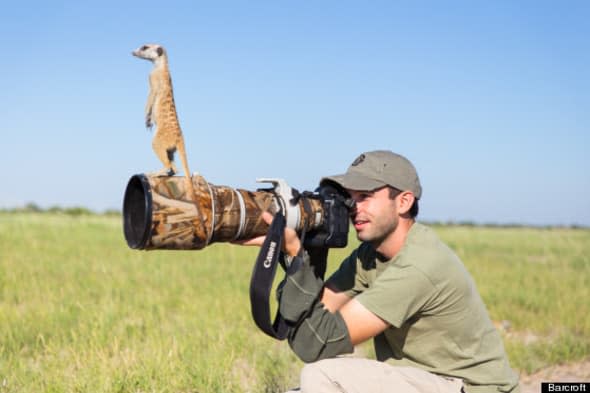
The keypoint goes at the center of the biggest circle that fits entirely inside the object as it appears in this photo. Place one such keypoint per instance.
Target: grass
(81, 312)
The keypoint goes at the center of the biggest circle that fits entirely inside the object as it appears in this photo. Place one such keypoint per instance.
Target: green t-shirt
(439, 322)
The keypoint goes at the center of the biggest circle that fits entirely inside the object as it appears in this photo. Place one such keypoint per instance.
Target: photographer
(403, 287)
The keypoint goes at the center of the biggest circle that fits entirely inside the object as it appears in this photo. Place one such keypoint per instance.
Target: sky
(489, 100)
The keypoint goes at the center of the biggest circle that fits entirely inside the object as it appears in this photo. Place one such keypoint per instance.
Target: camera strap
(264, 273)
(263, 277)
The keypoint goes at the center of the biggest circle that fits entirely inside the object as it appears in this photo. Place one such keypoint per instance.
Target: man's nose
(354, 209)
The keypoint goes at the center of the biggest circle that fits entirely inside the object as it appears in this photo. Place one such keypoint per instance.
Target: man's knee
(319, 376)
(312, 372)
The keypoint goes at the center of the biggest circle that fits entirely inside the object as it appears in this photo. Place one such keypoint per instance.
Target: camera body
(333, 232)
(159, 213)
(331, 221)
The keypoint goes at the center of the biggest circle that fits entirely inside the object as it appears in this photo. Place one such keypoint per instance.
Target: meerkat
(161, 110)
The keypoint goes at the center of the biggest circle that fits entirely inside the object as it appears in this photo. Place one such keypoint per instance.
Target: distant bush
(500, 225)
(112, 212)
(32, 207)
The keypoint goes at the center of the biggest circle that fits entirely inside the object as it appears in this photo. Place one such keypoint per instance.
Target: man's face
(375, 215)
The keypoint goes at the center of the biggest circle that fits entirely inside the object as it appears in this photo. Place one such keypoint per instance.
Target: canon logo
(271, 252)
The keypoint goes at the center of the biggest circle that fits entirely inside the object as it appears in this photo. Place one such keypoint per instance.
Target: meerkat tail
(182, 155)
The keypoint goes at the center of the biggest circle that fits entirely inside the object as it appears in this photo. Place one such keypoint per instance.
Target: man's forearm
(320, 335)
(315, 332)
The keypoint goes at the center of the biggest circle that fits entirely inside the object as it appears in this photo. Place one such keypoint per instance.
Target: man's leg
(352, 375)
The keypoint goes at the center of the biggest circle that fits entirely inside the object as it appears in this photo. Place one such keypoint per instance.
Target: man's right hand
(291, 244)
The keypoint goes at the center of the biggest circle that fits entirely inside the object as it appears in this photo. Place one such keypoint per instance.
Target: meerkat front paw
(163, 172)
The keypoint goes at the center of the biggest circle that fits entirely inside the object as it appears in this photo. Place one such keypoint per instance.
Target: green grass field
(80, 312)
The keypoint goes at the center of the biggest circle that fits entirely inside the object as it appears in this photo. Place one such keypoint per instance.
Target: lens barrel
(160, 213)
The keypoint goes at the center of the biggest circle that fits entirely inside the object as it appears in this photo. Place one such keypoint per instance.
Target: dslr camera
(160, 213)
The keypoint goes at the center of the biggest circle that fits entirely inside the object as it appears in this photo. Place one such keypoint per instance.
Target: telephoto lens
(159, 213)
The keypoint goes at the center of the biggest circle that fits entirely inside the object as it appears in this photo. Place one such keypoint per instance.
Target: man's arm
(361, 323)
(318, 331)
(324, 328)
(334, 300)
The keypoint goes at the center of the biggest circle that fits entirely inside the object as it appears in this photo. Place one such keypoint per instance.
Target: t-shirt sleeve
(397, 294)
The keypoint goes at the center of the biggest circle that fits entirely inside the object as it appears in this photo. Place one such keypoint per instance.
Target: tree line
(32, 207)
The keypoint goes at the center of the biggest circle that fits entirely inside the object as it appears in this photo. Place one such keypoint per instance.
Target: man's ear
(405, 201)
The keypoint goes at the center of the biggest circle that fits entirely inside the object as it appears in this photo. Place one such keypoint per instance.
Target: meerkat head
(151, 52)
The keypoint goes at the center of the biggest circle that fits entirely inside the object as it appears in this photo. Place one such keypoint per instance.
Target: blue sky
(490, 100)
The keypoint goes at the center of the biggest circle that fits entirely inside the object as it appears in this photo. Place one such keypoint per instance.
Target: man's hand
(291, 245)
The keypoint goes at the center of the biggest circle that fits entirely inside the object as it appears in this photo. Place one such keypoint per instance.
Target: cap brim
(355, 182)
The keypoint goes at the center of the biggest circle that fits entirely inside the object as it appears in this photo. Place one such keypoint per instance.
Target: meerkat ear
(160, 51)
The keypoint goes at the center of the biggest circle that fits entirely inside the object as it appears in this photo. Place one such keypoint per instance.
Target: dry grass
(81, 312)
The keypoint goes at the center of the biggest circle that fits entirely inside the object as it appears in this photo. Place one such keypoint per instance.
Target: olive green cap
(379, 168)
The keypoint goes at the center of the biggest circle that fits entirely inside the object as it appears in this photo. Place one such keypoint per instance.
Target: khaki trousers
(356, 375)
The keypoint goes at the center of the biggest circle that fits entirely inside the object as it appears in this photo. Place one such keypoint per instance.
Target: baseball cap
(379, 168)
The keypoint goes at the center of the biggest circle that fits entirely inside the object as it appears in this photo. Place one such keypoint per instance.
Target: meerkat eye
(145, 47)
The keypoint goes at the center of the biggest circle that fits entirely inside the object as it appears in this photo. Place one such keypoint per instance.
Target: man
(402, 287)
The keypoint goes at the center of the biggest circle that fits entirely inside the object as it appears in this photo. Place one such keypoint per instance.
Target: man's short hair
(394, 192)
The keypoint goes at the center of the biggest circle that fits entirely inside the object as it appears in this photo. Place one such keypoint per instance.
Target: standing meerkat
(161, 110)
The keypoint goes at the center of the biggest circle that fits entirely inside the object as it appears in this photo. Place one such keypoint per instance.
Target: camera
(160, 213)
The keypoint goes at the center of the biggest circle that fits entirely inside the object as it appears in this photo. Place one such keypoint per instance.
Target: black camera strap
(264, 273)
(263, 277)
